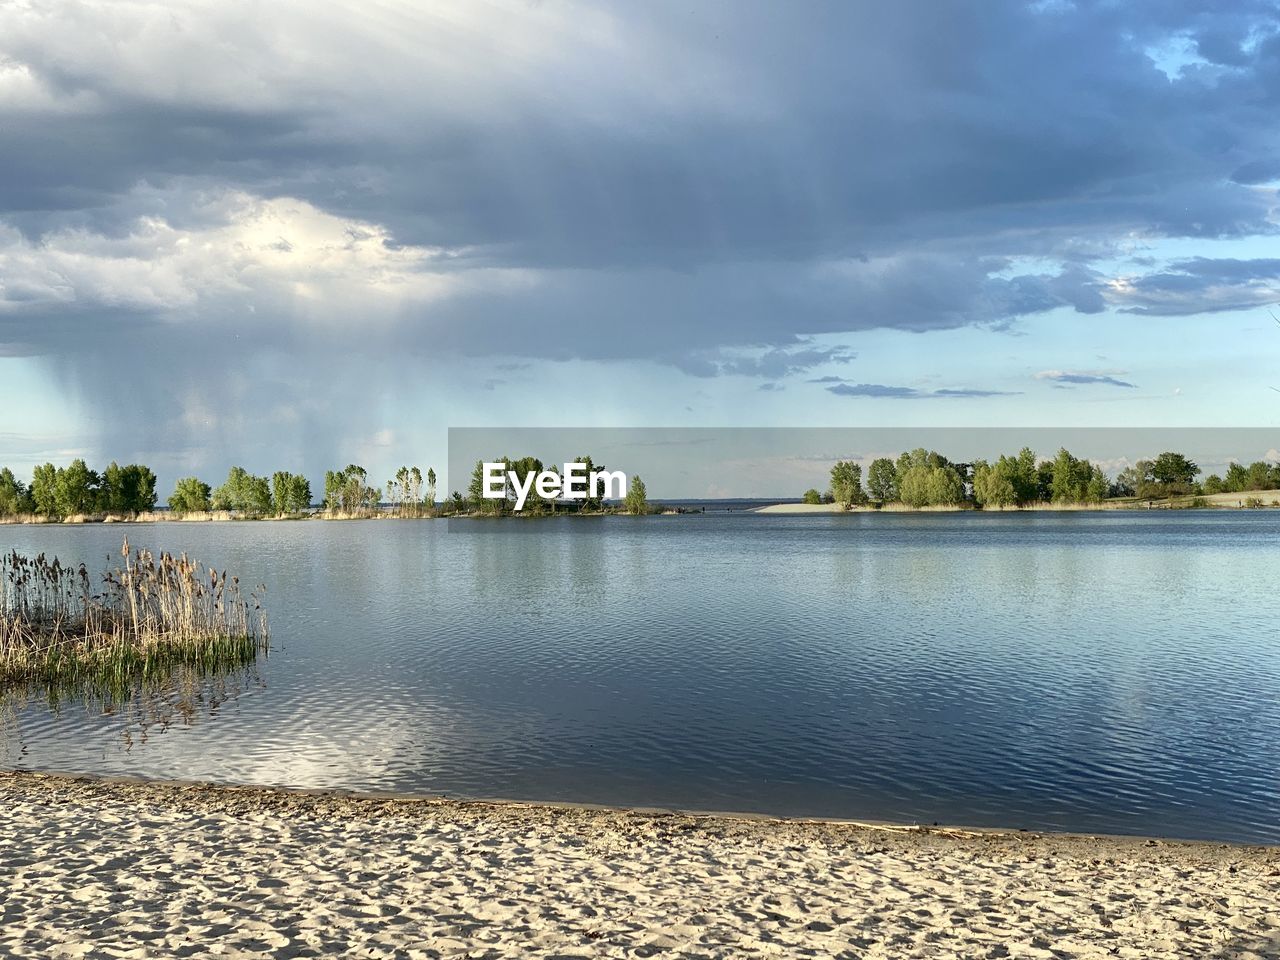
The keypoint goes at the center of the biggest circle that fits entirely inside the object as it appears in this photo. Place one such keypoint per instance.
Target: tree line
(921, 478)
(76, 490)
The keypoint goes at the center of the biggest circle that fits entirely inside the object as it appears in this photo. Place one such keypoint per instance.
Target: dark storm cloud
(1201, 285)
(881, 391)
(1083, 376)
(706, 188)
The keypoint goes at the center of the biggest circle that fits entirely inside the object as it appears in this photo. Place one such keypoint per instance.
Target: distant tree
(812, 496)
(404, 493)
(1098, 486)
(44, 490)
(244, 493)
(913, 488)
(415, 491)
(882, 480)
(347, 490)
(1168, 475)
(112, 495)
(1024, 474)
(944, 486)
(637, 499)
(846, 483)
(525, 468)
(475, 488)
(77, 489)
(431, 488)
(1237, 478)
(190, 495)
(592, 502)
(399, 493)
(1260, 477)
(280, 481)
(992, 487)
(127, 489)
(1214, 484)
(923, 485)
(476, 499)
(1126, 483)
(1007, 482)
(1174, 468)
(1064, 483)
(13, 495)
(290, 493)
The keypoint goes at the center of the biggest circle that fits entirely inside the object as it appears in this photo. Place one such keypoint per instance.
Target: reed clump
(148, 616)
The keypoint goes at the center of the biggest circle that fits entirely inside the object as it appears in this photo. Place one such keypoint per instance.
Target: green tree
(111, 491)
(190, 495)
(812, 496)
(913, 486)
(44, 490)
(127, 489)
(846, 483)
(591, 503)
(1126, 484)
(524, 468)
(1214, 484)
(1260, 476)
(77, 489)
(244, 493)
(992, 485)
(922, 485)
(1007, 482)
(290, 493)
(882, 480)
(299, 494)
(945, 486)
(1098, 487)
(1170, 474)
(415, 491)
(1237, 478)
(431, 488)
(1024, 473)
(478, 502)
(1069, 478)
(347, 490)
(13, 495)
(637, 499)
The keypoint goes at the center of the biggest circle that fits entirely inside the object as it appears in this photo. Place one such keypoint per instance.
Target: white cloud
(233, 246)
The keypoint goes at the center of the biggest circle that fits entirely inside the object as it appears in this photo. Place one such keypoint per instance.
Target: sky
(294, 236)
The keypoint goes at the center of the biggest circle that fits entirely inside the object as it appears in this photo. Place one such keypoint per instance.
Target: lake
(1114, 672)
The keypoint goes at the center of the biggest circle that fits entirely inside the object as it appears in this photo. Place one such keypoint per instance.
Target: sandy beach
(126, 869)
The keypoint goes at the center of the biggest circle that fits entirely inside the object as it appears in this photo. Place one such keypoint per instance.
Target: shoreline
(270, 796)
(126, 867)
(1268, 499)
(1263, 500)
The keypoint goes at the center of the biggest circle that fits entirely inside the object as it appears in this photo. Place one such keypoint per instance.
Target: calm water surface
(1109, 672)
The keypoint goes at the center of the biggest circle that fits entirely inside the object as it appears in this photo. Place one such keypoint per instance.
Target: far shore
(1253, 499)
(1216, 501)
(117, 867)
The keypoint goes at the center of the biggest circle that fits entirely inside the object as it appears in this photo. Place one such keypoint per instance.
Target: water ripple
(1099, 672)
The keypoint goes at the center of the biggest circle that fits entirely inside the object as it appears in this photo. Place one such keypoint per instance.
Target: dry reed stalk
(151, 614)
